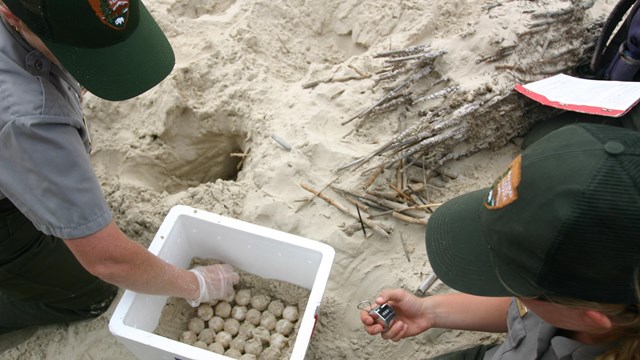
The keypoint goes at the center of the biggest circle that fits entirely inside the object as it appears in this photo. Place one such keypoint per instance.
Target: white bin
(187, 233)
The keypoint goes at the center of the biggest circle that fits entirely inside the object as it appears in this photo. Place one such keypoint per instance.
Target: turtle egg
(206, 335)
(196, 325)
(216, 323)
(224, 338)
(205, 312)
(233, 353)
(262, 334)
(223, 309)
(260, 302)
(239, 312)
(243, 297)
(232, 326)
(200, 344)
(245, 330)
(284, 327)
(188, 337)
(238, 343)
(276, 307)
(290, 313)
(268, 320)
(216, 348)
(253, 316)
(270, 354)
(253, 346)
(278, 341)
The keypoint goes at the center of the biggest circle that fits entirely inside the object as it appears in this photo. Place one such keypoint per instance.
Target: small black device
(383, 314)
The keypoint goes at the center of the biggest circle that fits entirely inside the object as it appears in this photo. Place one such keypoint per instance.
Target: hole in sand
(176, 166)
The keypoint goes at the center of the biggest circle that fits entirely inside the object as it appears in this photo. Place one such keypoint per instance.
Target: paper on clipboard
(598, 97)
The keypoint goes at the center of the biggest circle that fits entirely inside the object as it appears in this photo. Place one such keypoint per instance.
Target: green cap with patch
(562, 221)
(114, 48)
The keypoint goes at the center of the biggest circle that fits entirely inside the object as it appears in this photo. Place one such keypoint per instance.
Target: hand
(215, 281)
(411, 317)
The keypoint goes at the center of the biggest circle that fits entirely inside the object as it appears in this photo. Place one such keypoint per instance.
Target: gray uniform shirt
(45, 168)
(530, 338)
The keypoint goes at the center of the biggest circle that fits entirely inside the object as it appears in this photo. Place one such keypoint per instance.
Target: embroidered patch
(113, 13)
(504, 190)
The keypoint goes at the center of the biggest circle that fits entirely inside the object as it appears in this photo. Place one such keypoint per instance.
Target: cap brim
(457, 252)
(124, 70)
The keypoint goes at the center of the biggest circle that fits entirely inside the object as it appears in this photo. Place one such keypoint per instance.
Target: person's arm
(110, 255)
(468, 312)
(415, 315)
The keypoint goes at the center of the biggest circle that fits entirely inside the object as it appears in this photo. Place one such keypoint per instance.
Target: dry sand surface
(239, 78)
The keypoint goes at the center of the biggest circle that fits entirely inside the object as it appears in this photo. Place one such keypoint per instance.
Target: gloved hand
(215, 281)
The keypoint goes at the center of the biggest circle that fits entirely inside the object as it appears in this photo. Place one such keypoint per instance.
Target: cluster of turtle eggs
(247, 327)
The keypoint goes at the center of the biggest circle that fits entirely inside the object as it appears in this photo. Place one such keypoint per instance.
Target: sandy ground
(239, 79)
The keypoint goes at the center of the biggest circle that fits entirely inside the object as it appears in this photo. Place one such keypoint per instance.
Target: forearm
(146, 273)
(111, 256)
(468, 312)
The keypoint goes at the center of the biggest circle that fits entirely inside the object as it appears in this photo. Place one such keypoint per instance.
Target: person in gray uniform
(549, 254)
(62, 256)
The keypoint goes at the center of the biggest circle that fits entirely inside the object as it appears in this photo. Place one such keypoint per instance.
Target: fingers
(235, 278)
(229, 273)
(374, 329)
(396, 332)
(366, 318)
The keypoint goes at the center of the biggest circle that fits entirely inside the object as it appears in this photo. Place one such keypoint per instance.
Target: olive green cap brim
(457, 252)
(124, 70)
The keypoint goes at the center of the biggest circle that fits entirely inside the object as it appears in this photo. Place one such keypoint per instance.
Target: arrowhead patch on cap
(504, 190)
(113, 13)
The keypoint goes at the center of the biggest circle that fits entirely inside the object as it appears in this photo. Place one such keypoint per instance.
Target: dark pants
(41, 282)
(474, 353)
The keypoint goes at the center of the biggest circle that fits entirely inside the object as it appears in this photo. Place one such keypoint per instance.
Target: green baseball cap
(563, 221)
(114, 48)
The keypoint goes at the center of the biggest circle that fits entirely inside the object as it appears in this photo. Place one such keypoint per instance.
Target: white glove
(215, 281)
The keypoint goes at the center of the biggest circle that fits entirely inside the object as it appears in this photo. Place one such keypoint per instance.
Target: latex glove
(215, 281)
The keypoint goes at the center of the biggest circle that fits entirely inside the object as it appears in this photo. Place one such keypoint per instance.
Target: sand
(239, 78)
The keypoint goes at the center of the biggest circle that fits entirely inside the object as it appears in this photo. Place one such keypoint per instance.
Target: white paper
(602, 97)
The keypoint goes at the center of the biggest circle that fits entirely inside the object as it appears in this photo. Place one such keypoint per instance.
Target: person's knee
(108, 294)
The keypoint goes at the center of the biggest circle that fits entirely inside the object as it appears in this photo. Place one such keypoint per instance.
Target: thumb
(391, 295)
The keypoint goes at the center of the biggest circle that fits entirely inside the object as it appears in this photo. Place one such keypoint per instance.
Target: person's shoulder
(31, 85)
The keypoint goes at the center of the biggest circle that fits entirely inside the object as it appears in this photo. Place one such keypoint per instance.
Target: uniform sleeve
(46, 172)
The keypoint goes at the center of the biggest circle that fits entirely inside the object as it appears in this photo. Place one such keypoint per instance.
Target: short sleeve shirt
(45, 169)
(529, 337)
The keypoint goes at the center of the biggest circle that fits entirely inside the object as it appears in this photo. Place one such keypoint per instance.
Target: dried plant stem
(375, 227)
(359, 204)
(409, 219)
(315, 83)
(396, 206)
(372, 178)
(391, 196)
(403, 52)
(401, 193)
(404, 247)
(314, 195)
(417, 207)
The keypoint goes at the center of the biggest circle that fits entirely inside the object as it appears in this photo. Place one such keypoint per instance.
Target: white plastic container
(186, 233)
